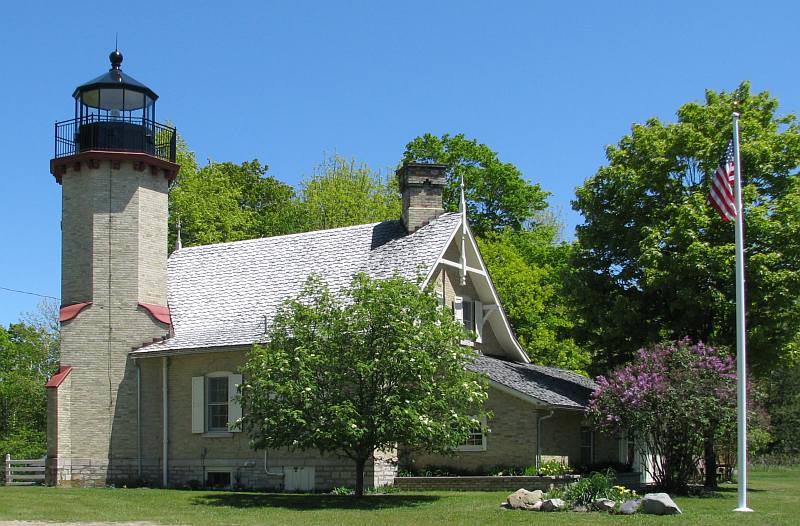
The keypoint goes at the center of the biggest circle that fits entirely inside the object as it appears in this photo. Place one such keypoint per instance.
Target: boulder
(659, 504)
(629, 507)
(604, 504)
(536, 507)
(523, 499)
(553, 505)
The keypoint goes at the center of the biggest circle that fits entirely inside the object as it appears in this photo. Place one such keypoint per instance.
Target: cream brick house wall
(191, 456)
(511, 440)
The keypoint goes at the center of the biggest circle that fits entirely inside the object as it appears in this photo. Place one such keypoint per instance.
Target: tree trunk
(710, 456)
(360, 463)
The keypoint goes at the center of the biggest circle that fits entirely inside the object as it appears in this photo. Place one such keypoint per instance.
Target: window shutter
(198, 404)
(234, 408)
(478, 321)
(458, 309)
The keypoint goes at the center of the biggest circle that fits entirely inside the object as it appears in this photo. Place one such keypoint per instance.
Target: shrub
(675, 398)
(342, 490)
(584, 491)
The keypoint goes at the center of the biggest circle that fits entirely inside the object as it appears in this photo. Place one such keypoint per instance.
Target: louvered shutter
(234, 408)
(198, 404)
(458, 309)
(478, 321)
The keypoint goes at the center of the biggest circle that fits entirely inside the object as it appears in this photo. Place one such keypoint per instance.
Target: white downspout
(138, 419)
(165, 420)
(539, 437)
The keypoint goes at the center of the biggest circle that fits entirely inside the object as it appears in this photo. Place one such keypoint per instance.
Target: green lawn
(774, 494)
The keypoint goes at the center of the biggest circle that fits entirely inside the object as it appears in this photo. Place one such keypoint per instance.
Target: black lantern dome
(115, 112)
(115, 91)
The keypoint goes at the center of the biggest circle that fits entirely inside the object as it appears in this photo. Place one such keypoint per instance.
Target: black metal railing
(100, 132)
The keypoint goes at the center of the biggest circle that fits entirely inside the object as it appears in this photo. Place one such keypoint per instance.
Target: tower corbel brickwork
(114, 163)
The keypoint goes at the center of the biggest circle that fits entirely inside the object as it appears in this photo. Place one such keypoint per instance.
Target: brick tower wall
(114, 254)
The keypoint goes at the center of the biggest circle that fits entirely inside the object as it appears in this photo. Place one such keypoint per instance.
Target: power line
(29, 293)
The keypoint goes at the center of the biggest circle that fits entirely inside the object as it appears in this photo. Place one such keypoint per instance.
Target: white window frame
(200, 404)
(475, 447)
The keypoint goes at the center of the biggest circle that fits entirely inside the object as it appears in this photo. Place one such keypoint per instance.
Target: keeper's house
(152, 345)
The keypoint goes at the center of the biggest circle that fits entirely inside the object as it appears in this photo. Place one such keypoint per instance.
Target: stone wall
(481, 483)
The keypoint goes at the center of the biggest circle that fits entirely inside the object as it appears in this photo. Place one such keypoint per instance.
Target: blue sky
(546, 84)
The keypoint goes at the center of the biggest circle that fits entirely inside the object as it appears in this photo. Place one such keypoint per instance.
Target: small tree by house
(376, 365)
(674, 398)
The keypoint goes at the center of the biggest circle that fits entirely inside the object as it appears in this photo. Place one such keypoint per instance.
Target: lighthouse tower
(114, 163)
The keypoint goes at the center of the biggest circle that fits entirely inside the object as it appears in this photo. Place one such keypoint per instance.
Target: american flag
(721, 197)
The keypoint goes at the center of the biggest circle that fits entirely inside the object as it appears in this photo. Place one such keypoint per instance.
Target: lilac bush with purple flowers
(673, 398)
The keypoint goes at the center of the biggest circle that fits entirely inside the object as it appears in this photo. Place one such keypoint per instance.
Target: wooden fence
(24, 472)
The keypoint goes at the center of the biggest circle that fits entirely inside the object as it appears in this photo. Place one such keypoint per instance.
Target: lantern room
(115, 112)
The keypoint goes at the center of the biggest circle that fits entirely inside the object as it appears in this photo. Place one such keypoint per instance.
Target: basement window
(218, 480)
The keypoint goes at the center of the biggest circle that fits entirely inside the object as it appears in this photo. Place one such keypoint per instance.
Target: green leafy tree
(28, 356)
(784, 407)
(377, 365)
(498, 196)
(344, 193)
(223, 202)
(656, 262)
(527, 269)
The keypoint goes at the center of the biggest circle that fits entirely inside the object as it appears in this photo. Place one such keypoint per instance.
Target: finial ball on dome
(116, 59)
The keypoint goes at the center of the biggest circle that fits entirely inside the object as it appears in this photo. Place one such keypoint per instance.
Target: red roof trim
(68, 312)
(59, 377)
(158, 312)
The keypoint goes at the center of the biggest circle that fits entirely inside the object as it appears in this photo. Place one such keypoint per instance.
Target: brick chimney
(421, 187)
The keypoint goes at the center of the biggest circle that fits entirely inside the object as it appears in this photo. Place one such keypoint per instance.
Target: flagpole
(741, 364)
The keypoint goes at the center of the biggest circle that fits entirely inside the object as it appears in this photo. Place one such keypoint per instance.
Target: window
(218, 479)
(470, 313)
(217, 402)
(214, 405)
(627, 451)
(476, 441)
(587, 446)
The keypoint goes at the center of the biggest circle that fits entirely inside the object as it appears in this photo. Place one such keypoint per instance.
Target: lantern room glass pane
(112, 99)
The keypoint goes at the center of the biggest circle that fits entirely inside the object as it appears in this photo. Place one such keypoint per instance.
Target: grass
(774, 494)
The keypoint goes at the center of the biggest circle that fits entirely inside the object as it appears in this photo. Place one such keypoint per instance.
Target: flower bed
(482, 483)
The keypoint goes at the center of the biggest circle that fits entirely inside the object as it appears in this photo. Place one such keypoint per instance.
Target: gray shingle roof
(550, 385)
(224, 294)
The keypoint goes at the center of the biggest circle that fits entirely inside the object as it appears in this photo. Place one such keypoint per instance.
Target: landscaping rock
(629, 507)
(523, 499)
(536, 507)
(580, 508)
(659, 504)
(604, 504)
(553, 505)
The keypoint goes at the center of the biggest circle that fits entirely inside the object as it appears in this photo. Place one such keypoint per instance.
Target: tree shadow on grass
(312, 501)
(716, 493)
